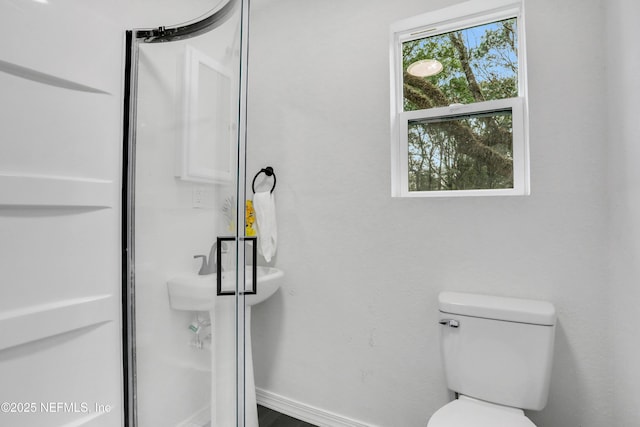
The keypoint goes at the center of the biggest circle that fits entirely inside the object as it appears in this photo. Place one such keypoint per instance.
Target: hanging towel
(265, 207)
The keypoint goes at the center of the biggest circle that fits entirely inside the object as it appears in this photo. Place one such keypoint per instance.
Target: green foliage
(457, 90)
(449, 154)
(497, 43)
(479, 64)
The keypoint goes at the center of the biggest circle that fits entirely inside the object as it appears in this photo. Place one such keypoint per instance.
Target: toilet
(497, 354)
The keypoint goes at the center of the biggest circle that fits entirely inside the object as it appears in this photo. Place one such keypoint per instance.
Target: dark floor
(271, 418)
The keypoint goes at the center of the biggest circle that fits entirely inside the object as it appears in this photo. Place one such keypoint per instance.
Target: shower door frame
(162, 35)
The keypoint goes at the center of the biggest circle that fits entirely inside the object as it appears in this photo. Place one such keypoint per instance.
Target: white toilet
(497, 355)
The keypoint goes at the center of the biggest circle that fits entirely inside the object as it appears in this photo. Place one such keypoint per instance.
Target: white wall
(353, 330)
(623, 61)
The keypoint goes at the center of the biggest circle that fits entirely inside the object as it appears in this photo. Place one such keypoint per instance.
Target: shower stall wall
(60, 115)
(186, 183)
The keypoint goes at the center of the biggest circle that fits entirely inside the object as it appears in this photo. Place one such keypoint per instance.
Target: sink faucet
(209, 267)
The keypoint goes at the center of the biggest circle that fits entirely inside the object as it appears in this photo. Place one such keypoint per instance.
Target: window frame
(461, 16)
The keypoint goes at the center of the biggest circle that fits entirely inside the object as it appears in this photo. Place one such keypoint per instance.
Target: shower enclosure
(184, 215)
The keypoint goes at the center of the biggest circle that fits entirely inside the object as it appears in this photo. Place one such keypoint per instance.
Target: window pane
(467, 152)
(477, 64)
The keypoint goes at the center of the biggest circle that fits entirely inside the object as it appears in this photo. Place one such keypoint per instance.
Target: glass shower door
(186, 254)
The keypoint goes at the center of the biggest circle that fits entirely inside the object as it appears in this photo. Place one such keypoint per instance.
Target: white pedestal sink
(192, 292)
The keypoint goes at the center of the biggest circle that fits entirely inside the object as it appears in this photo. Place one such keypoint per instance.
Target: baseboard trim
(304, 412)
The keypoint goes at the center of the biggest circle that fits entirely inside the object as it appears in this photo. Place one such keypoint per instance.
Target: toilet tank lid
(499, 308)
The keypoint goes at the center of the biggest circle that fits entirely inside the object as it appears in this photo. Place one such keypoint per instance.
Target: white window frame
(463, 15)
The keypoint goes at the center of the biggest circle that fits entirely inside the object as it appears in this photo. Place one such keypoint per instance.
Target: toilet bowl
(497, 355)
(469, 412)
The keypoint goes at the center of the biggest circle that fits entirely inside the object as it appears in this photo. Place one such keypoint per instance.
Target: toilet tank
(497, 349)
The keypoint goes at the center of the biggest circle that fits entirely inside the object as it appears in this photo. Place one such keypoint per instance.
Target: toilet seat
(469, 412)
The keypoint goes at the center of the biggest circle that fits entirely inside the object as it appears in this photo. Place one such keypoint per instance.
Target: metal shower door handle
(254, 263)
(452, 323)
(254, 266)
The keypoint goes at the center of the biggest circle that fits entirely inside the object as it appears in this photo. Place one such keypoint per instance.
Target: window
(458, 102)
